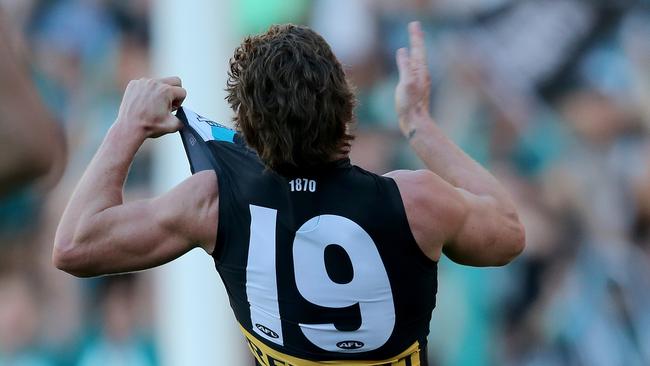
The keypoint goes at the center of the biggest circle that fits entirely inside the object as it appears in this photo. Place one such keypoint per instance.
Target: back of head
(291, 98)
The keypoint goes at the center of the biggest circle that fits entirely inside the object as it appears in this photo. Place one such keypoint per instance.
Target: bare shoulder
(412, 177)
(423, 186)
(192, 208)
(203, 183)
(197, 192)
(434, 208)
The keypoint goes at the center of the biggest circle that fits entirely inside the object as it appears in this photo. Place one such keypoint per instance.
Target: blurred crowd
(553, 96)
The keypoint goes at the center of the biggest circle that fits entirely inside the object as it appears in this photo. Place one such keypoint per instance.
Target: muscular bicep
(131, 237)
(487, 235)
(147, 233)
(469, 229)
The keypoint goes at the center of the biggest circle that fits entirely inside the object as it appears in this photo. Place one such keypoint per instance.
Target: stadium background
(552, 95)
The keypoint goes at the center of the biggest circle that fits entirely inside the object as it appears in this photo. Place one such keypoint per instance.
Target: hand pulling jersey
(320, 264)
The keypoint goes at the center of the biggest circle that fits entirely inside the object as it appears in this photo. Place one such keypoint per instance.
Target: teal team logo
(207, 128)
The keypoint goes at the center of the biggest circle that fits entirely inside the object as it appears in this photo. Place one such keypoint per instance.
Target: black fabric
(371, 201)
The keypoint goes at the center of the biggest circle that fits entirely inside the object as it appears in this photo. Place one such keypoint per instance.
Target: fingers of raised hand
(418, 52)
(403, 64)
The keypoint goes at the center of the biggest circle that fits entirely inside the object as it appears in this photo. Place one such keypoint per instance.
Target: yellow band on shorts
(267, 356)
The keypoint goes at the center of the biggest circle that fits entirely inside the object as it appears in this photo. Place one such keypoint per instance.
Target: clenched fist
(147, 105)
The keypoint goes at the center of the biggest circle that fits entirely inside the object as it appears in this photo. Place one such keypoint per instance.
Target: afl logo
(266, 331)
(349, 344)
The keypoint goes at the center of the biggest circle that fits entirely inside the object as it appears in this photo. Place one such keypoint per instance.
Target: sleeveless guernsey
(319, 264)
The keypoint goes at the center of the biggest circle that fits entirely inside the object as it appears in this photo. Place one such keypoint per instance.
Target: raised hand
(147, 105)
(413, 89)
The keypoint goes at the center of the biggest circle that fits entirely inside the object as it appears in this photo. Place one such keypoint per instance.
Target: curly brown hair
(292, 101)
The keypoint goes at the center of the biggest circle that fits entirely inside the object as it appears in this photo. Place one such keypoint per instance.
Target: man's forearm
(446, 159)
(101, 185)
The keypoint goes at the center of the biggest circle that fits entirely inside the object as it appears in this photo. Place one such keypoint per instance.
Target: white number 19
(369, 287)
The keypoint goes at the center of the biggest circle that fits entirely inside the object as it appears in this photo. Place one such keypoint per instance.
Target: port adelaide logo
(266, 331)
(200, 118)
(349, 345)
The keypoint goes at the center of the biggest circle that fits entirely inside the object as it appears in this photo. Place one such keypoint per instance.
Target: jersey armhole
(219, 239)
(412, 246)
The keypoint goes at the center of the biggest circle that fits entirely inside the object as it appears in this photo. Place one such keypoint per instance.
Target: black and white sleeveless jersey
(320, 264)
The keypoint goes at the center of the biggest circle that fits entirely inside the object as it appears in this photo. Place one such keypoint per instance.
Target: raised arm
(99, 233)
(462, 209)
